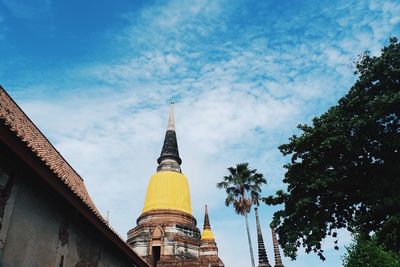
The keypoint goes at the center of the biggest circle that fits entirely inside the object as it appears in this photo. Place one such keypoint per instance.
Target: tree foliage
(345, 168)
(366, 252)
(243, 187)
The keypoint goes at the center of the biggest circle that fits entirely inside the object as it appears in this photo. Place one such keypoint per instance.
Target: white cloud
(237, 97)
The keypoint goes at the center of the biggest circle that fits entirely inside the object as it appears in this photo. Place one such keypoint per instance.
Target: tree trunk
(248, 237)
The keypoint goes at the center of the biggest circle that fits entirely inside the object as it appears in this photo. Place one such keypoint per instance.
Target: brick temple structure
(166, 234)
(47, 217)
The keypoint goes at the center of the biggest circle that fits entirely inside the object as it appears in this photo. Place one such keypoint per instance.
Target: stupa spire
(169, 159)
(206, 220)
(262, 254)
(278, 260)
(207, 234)
(171, 118)
(208, 247)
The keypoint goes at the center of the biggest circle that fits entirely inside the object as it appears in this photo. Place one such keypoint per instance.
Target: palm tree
(243, 188)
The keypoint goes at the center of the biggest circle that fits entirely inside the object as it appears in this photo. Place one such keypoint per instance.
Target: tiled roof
(16, 120)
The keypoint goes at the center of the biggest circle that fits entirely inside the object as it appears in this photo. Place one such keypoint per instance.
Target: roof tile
(16, 120)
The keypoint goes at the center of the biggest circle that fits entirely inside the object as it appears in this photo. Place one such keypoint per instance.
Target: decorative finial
(171, 119)
(278, 260)
(169, 159)
(206, 220)
(262, 254)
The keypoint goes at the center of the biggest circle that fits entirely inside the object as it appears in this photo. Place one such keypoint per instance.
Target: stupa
(166, 234)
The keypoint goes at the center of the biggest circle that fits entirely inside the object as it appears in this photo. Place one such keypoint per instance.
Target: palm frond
(222, 184)
(243, 187)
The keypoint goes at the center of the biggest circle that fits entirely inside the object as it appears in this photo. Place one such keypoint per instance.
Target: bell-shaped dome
(168, 190)
(207, 234)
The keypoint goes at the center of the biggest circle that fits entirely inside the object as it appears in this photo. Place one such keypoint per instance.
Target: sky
(97, 78)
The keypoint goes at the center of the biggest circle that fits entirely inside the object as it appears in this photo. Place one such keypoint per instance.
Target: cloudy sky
(97, 78)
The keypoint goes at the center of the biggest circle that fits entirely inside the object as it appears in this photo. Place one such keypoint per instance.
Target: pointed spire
(169, 159)
(278, 260)
(207, 234)
(262, 254)
(206, 221)
(171, 119)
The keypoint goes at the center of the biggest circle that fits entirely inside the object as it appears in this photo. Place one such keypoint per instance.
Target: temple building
(166, 234)
(47, 217)
(277, 255)
(262, 254)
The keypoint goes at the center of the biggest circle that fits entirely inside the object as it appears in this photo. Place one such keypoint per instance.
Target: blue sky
(97, 77)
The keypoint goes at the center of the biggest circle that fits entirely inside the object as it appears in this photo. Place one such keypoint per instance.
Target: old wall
(39, 228)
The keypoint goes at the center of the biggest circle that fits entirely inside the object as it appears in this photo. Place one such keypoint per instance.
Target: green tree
(345, 168)
(366, 252)
(243, 188)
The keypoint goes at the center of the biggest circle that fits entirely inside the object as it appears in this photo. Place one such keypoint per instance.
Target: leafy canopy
(243, 187)
(367, 252)
(345, 168)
